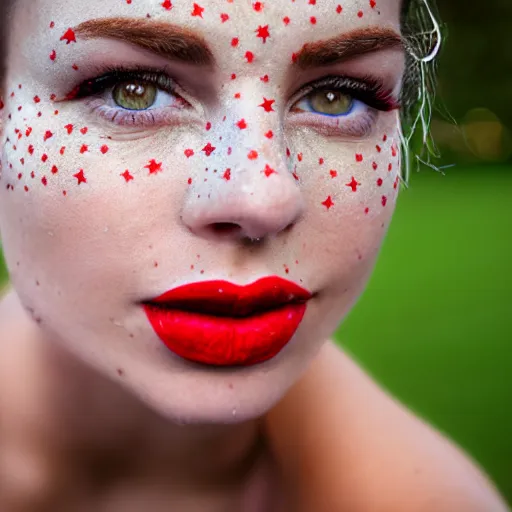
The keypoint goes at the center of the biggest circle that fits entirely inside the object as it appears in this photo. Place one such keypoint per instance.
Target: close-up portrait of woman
(193, 197)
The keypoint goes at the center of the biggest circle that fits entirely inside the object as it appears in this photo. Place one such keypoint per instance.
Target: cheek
(350, 185)
(351, 190)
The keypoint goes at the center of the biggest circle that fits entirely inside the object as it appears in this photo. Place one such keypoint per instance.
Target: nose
(257, 201)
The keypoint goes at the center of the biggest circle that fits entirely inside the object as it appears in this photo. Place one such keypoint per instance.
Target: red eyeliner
(219, 323)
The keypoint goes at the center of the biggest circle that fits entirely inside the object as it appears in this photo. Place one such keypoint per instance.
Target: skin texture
(97, 216)
(119, 214)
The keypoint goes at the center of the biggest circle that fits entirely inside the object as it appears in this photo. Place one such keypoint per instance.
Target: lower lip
(224, 341)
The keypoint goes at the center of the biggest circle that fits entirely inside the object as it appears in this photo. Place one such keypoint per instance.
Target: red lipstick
(223, 324)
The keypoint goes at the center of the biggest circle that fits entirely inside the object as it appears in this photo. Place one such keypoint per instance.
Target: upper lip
(222, 298)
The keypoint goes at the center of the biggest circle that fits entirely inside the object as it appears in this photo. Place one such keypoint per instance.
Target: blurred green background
(435, 325)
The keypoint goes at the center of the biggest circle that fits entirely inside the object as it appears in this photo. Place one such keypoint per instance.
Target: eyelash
(368, 91)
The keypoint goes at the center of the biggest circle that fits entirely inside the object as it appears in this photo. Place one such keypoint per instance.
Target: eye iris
(331, 102)
(135, 95)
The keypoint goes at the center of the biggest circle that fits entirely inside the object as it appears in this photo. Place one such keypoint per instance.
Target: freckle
(328, 203)
(127, 176)
(155, 264)
(69, 36)
(230, 385)
(120, 372)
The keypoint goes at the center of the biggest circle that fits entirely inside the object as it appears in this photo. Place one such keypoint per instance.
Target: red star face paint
(245, 154)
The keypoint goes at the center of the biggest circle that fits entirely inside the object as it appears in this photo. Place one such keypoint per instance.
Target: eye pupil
(135, 95)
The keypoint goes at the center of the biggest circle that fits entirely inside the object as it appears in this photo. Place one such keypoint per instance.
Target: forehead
(274, 23)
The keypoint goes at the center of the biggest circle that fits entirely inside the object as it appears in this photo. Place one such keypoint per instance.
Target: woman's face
(144, 144)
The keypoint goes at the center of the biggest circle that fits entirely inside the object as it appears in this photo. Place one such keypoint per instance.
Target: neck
(98, 416)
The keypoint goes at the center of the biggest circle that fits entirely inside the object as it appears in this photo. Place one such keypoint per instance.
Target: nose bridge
(252, 189)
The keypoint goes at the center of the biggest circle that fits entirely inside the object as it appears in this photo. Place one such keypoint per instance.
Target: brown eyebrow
(344, 46)
(162, 38)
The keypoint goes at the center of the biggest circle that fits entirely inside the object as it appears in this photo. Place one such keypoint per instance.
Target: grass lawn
(435, 325)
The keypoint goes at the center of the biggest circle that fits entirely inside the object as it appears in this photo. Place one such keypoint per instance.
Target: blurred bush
(475, 83)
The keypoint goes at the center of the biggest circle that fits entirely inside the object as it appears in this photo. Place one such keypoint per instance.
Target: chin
(189, 393)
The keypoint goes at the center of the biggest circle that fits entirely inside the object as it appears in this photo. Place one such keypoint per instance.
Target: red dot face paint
(120, 148)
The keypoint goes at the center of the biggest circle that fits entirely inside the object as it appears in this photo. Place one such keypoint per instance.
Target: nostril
(225, 228)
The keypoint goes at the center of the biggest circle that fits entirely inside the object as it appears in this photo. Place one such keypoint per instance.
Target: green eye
(330, 102)
(135, 95)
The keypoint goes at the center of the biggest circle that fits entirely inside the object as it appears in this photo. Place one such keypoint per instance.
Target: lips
(222, 324)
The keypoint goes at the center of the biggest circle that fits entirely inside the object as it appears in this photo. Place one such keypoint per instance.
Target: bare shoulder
(352, 447)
